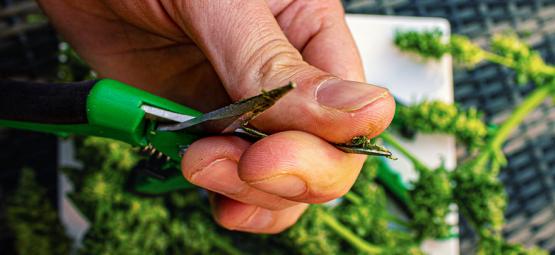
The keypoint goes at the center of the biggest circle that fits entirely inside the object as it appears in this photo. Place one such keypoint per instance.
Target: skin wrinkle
(192, 32)
(168, 16)
(263, 62)
(272, 202)
(261, 181)
(318, 17)
(299, 14)
(198, 170)
(250, 218)
(215, 53)
(280, 145)
(158, 43)
(278, 6)
(244, 191)
(187, 97)
(221, 219)
(205, 162)
(133, 49)
(324, 23)
(275, 64)
(327, 186)
(165, 27)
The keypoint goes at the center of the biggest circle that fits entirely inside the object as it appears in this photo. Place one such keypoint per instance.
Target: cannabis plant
(359, 223)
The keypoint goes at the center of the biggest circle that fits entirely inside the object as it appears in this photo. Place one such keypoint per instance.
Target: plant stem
(519, 113)
(354, 198)
(347, 235)
(491, 57)
(508, 62)
(389, 139)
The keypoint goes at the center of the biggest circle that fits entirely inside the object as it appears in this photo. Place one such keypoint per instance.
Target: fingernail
(260, 219)
(348, 96)
(220, 176)
(284, 185)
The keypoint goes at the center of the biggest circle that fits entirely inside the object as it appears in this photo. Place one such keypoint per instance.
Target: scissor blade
(365, 151)
(227, 119)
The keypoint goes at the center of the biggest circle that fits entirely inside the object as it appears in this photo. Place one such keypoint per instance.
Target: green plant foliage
(527, 63)
(498, 246)
(507, 50)
(181, 222)
(465, 52)
(480, 196)
(311, 235)
(431, 197)
(441, 117)
(124, 223)
(34, 221)
(71, 67)
(364, 210)
(476, 188)
(428, 44)
(432, 44)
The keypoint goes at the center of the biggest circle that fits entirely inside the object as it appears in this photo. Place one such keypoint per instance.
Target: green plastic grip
(113, 111)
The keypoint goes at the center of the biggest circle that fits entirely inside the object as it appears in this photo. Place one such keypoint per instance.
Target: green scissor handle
(108, 108)
(105, 108)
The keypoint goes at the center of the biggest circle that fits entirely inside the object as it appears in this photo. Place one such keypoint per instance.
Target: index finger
(319, 31)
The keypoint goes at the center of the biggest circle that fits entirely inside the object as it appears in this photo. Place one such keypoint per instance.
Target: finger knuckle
(227, 224)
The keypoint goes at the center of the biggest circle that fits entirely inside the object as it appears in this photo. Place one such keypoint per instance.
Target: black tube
(46, 103)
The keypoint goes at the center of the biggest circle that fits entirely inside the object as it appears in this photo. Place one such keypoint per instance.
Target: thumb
(249, 52)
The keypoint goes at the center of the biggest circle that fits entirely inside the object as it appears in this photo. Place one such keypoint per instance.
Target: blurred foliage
(71, 67)
(506, 49)
(180, 222)
(428, 45)
(125, 223)
(431, 198)
(476, 189)
(440, 117)
(34, 221)
(481, 199)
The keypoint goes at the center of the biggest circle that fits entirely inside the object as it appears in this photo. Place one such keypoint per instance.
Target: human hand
(207, 53)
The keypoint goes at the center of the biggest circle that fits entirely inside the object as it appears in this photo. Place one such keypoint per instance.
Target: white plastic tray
(410, 80)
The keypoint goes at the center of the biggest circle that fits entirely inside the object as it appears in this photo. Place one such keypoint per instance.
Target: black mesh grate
(529, 177)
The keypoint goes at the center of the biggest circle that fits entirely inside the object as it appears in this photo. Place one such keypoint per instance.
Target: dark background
(28, 47)
(28, 50)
